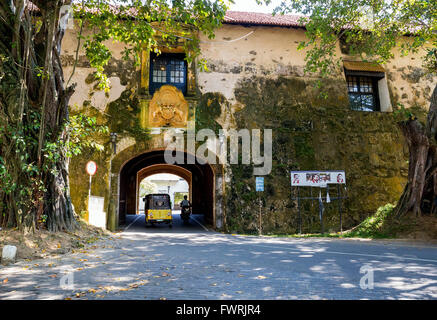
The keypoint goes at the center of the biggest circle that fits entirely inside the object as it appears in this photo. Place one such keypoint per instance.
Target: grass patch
(378, 226)
(374, 226)
(382, 225)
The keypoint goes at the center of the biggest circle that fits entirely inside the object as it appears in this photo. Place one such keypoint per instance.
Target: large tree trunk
(33, 111)
(421, 189)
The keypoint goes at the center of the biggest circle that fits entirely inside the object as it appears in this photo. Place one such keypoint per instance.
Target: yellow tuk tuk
(157, 209)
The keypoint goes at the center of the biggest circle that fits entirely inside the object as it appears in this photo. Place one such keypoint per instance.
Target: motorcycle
(185, 213)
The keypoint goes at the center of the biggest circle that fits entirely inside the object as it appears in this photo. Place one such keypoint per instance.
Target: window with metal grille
(363, 93)
(167, 68)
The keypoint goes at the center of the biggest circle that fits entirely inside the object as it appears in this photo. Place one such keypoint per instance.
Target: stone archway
(206, 183)
(164, 168)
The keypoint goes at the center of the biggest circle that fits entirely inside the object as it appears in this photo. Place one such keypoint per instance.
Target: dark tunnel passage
(199, 176)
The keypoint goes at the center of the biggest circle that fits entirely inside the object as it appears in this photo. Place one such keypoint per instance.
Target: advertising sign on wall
(316, 178)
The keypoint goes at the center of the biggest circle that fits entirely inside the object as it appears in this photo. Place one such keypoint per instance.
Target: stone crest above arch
(168, 107)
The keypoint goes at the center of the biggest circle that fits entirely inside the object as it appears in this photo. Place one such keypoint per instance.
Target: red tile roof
(242, 17)
(255, 18)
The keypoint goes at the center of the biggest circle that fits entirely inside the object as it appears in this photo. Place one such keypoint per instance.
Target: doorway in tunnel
(159, 178)
(199, 177)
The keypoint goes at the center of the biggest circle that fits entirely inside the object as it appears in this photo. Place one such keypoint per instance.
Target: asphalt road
(190, 262)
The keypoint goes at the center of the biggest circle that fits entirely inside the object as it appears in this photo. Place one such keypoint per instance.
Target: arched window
(168, 68)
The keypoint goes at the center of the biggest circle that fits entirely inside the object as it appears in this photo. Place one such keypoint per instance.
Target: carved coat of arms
(168, 108)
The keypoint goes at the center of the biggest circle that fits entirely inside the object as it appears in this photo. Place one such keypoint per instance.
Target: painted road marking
(287, 246)
(139, 216)
(350, 254)
(205, 228)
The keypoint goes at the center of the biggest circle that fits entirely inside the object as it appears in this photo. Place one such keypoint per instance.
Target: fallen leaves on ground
(100, 289)
(42, 244)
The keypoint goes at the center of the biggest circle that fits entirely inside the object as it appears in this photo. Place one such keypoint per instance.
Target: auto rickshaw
(157, 208)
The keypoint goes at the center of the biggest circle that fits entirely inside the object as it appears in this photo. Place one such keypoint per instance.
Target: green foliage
(147, 187)
(179, 196)
(81, 130)
(372, 227)
(430, 60)
(303, 146)
(19, 172)
(36, 136)
(370, 29)
(403, 114)
(141, 25)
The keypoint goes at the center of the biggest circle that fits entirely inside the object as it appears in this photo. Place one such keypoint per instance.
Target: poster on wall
(317, 178)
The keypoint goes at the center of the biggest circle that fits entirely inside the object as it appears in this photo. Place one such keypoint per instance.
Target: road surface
(192, 262)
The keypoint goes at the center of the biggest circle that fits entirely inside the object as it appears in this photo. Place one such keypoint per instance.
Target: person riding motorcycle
(185, 209)
(185, 202)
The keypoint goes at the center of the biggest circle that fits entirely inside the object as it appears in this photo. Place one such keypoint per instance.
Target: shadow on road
(188, 262)
(196, 224)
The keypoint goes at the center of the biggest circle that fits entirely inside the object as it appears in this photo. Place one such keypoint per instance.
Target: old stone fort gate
(204, 180)
(255, 80)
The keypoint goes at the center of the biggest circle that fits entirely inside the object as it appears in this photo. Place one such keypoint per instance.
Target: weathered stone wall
(272, 52)
(258, 82)
(317, 134)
